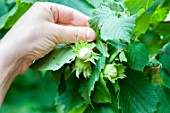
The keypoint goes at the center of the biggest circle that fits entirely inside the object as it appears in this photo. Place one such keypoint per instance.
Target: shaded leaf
(56, 75)
(55, 59)
(87, 86)
(163, 29)
(106, 107)
(164, 97)
(165, 78)
(101, 92)
(151, 40)
(71, 99)
(118, 44)
(165, 57)
(137, 56)
(137, 94)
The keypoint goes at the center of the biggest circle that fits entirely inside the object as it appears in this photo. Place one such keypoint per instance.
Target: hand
(35, 34)
(42, 27)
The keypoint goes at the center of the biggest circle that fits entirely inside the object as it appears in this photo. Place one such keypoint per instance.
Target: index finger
(66, 15)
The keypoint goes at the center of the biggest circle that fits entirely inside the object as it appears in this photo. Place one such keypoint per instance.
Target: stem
(157, 72)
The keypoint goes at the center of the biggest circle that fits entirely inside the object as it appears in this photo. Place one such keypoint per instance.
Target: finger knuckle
(76, 34)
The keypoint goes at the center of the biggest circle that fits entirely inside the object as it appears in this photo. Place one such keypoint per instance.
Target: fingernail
(91, 35)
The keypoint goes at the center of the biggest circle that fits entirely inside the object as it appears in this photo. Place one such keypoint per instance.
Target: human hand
(35, 34)
(38, 31)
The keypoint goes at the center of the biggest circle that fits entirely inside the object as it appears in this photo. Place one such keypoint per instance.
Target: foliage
(30, 93)
(128, 68)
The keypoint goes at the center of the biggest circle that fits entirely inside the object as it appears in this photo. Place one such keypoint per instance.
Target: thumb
(71, 34)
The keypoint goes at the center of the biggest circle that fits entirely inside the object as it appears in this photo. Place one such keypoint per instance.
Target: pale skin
(35, 34)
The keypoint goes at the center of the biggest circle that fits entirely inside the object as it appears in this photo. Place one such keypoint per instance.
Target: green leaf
(2, 33)
(135, 5)
(137, 94)
(165, 57)
(60, 109)
(80, 5)
(102, 47)
(163, 29)
(122, 57)
(137, 56)
(164, 97)
(159, 15)
(95, 3)
(56, 75)
(110, 8)
(61, 86)
(3, 8)
(114, 5)
(118, 45)
(165, 78)
(55, 59)
(99, 15)
(81, 109)
(151, 39)
(60, 76)
(71, 99)
(166, 3)
(103, 108)
(106, 107)
(101, 92)
(9, 19)
(87, 86)
(147, 17)
(119, 28)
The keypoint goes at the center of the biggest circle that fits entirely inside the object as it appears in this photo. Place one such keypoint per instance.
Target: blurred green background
(30, 93)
